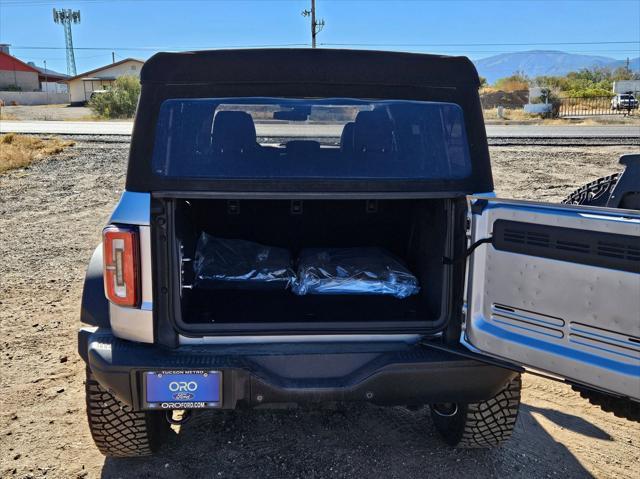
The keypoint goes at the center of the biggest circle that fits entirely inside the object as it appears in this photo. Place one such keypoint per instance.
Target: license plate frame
(182, 389)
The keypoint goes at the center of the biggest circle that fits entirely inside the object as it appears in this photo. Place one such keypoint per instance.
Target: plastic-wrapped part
(353, 271)
(241, 264)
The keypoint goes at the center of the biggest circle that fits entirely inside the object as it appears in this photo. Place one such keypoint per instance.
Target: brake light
(121, 265)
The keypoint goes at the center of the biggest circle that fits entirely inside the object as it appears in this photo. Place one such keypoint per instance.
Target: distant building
(27, 84)
(17, 75)
(626, 86)
(82, 86)
(51, 81)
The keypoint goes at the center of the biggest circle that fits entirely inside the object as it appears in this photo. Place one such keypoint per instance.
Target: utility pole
(66, 18)
(46, 81)
(113, 57)
(316, 26)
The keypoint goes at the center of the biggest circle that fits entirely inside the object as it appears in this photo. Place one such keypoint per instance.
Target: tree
(119, 101)
(554, 83)
(624, 73)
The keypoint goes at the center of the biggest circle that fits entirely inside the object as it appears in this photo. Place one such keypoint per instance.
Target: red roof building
(17, 75)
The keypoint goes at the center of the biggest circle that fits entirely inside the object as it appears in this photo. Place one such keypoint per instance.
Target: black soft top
(309, 66)
(307, 73)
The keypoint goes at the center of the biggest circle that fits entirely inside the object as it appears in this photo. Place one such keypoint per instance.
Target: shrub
(515, 82)
(18, 151)
(119, 101)
(588, 92)
(586, 83)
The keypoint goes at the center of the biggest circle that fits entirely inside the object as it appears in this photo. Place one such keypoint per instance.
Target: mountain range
(544, 62)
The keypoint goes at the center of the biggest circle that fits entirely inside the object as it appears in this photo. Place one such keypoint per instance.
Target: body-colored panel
(577, 321)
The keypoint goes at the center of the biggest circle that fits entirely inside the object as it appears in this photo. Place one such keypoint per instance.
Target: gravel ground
(47, 112)
(51, 216)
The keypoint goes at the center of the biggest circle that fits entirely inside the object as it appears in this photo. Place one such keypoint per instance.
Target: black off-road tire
(619, 407)
(117, 430)
(481, 425)
(596, 193)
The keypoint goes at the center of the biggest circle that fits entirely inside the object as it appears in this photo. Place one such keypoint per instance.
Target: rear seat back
(233, 132)
(347, 145)
(373, 133)
(302, 148)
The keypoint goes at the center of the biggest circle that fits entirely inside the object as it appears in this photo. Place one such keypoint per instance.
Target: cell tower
(66, 18)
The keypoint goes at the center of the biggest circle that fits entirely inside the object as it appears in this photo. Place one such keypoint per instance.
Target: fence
(33, 98)
(593, 106)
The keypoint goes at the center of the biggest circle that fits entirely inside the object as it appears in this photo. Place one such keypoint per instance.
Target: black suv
(305, 226)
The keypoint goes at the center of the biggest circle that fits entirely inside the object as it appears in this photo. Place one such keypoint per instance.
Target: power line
(50, 2)
(27, 3)
(532, 44)
(180, 49)
(202, 47)
(164, 48)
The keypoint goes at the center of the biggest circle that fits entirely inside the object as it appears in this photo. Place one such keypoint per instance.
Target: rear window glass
(260, 138)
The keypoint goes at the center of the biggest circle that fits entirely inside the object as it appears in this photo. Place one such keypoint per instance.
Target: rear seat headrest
(346, 138)
(233, 131)
(373, 132)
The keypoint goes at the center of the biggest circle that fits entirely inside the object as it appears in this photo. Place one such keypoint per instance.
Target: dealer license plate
(183, 389)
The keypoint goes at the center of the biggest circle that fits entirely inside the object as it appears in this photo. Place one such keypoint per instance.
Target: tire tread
(595, 193)
(485, 424)
(619, 407)
(117, 430)
(491, 422)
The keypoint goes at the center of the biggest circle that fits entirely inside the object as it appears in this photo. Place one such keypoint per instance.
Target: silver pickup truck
(624, 101)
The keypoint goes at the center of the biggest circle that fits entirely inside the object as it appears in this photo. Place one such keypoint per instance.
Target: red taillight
(121, 265)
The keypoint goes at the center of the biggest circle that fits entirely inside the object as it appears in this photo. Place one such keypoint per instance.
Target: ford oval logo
(183, 397)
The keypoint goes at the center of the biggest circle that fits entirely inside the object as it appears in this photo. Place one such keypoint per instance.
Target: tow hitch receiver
(182, 389)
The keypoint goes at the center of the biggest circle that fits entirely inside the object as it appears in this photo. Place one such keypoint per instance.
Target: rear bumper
(259, 374)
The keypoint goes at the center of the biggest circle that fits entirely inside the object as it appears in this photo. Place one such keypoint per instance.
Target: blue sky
(476, 28)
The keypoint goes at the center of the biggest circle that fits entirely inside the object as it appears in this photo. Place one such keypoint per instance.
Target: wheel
(596, 193)
(117, 430)
(619, 407)
(479, 425)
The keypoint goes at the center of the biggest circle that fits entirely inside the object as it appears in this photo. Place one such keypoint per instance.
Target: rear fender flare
(95, 306)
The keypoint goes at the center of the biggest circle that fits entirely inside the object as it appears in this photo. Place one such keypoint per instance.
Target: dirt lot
(50, 219)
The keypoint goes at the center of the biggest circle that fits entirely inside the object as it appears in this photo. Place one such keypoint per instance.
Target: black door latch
(468, 252)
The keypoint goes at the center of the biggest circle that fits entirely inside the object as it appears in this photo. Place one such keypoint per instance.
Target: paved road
(67, 127)
(275, 129)
(568, 131)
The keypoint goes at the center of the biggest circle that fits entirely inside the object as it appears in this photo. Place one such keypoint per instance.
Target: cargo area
(413, 232)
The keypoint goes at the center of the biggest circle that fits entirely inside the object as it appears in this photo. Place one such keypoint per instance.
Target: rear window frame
(461, 90)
